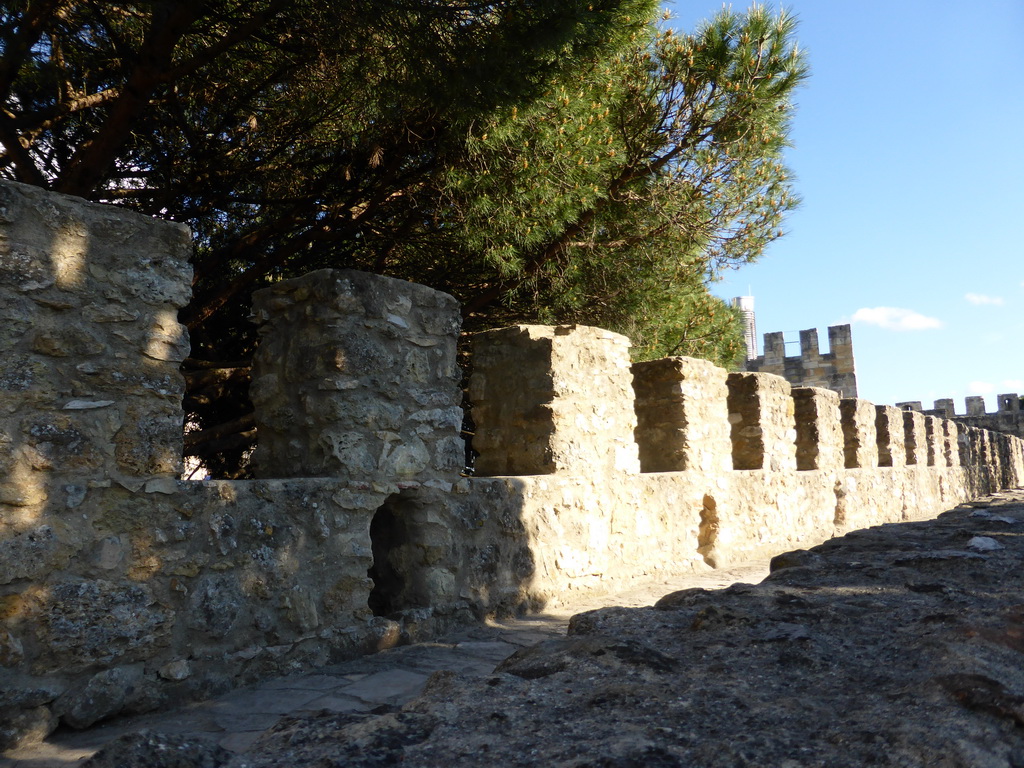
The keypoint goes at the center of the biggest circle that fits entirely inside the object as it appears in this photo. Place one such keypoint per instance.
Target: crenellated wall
(833, 370)
(123, 588)
(733, 466)
(1008, 416)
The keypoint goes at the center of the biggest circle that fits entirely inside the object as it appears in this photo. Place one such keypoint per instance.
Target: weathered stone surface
(819, 437)
(763, 427)
(914, 438)
(216, 604)
(88, 325)
(934, 441)
(83, 623)
(552, 399)
(179, 669)
(355, 378)
(159, 750)
(25, 725)
(102, 697)
(881, 648)
(352, 740)
(33, 554)
(892, 451)
(860, 440)
(682, 416)
(108, 561)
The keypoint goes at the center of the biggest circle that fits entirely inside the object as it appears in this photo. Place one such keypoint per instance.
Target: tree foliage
(618, 196)
(558, 161)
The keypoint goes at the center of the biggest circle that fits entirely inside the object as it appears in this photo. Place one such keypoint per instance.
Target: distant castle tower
(745, 304)
(833, 370)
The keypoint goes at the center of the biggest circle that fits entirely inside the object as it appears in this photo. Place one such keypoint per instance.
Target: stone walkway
(387, 679)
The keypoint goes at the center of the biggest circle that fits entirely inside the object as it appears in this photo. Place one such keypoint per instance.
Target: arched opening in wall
(397, 557)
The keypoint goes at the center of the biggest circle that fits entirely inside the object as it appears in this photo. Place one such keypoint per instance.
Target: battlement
(124, 587)
(832, 370)
(974, 405)
(1008, 416)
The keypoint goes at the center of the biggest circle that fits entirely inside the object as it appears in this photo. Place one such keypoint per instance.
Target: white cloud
(895, 319)
(980, 298)
(1012, 385)
(981, 388)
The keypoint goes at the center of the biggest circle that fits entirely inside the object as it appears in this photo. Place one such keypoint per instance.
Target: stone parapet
(682, 415)
(123, 588)
(552, 399)
(355, 377)
(219, 583)
(90, 392)
(1008, 416)
(763, 427)
(860, 440)
(950, 443)
(892, 451)
(933, 437)
(819, 437)
(914, 439)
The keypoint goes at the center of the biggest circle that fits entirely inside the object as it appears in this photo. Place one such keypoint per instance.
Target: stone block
(860, 442)
(914, 438)
(83, 623)
(216, 605)
(682, 415)
(355, 377)
(819, 435)
(950, 443)
(35, 553)
(89, 296)
(761, 415)
(552, 399)
(892, 450)
(103, 696)
(933, 441)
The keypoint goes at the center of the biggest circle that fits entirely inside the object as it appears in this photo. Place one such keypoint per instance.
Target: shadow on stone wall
(124, 589)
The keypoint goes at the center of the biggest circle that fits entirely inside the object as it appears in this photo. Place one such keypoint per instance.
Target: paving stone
(385, 686)
(239, 742)
(453, 662)
(496, 650)
(309, 682)
(526, 639)
(233, 721)
(264, 701)
(335, 703)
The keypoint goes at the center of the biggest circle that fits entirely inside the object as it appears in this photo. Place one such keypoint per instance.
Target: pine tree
(558, 161)
(617, 197)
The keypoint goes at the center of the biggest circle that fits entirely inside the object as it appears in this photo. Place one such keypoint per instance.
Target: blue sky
(909, 156)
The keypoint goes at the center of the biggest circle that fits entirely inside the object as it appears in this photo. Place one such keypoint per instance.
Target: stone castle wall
(1008, 416)
(123, 588)
(833, 370)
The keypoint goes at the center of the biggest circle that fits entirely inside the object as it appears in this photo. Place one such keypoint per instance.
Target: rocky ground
(901, 645)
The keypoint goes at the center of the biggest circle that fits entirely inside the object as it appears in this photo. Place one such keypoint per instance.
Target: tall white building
(746, 306)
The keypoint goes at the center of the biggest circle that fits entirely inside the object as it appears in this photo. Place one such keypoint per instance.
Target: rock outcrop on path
(901, 645)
